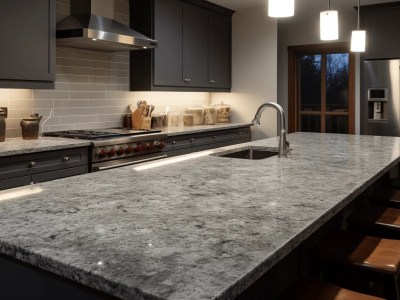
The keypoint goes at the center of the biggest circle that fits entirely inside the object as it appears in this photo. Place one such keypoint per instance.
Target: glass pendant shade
(358, 40)
(329, 25)
(280, 8)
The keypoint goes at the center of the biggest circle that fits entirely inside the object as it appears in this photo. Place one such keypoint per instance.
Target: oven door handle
(97, 168)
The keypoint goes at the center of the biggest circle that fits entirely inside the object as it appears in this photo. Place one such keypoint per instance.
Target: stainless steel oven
(114, 147)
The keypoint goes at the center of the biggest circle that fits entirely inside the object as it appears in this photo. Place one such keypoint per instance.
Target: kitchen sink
(249, 153)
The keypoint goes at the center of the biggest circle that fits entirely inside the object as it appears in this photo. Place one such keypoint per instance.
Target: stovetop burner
(97, 134)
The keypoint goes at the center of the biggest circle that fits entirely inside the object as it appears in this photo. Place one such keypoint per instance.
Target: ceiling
(302, 6)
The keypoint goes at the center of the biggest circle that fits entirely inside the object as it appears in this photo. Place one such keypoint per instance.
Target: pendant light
(329, 24)
(280, 8)
(358, 36)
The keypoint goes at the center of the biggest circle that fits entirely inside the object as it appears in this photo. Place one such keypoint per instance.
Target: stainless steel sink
(249, 153)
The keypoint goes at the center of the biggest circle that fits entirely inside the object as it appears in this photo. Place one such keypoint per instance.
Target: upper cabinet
(381, 21)
(27, 53)
(194, 52)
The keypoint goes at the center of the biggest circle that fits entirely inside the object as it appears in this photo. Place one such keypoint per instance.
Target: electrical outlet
(5, 109)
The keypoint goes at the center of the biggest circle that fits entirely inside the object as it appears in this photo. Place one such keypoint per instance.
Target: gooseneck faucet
(283, 143)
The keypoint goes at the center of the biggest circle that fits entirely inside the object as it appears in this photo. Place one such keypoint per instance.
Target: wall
(92, 89)
(304, 30)
(254, 69)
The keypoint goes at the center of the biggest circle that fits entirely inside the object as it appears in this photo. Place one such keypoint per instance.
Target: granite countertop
(180, 130)
(189, 227)
(17, 146)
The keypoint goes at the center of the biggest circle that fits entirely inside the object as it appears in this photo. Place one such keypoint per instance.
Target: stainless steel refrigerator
(380, 98)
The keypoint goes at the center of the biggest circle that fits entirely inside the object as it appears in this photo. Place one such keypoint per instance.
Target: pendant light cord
(358, 16)
(329, 4)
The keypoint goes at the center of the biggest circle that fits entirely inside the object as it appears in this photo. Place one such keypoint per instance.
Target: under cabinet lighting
(329, 24)
(280, 8)
(358, 36)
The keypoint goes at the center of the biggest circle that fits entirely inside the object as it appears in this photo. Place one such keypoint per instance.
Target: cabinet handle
(211, 81)
(214, 136)
(173, 142)
(32, 164)
(192, 140)
(239, 133)
(187, 80)
(65, 158)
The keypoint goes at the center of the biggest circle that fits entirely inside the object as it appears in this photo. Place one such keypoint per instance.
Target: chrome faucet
(283, 143)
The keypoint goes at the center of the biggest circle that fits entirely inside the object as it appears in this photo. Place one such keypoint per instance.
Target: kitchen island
(192, 227)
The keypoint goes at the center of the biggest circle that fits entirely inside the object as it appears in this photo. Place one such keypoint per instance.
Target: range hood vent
(91, 25)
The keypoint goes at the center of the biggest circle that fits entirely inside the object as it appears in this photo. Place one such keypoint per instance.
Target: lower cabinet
(38, 167)
(189, 143)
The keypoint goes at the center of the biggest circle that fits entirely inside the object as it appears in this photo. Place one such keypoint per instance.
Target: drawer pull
(239, 133)
(32, 164)
(173, 142)
(192, 140)
(65, 158)
(214, 136)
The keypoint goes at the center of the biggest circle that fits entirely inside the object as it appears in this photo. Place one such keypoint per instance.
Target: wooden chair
(373, 261)
(311, 289)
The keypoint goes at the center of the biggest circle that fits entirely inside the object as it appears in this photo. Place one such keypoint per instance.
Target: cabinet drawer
(14, 182)
(47, 176)
(30, 164)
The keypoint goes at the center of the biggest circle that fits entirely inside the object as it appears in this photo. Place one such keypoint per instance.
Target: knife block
(140, 122)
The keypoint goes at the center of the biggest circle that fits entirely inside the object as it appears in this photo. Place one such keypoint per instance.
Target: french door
(321, 88)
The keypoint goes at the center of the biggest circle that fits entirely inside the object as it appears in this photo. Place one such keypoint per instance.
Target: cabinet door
(382, 40)
(219, 51)
(27, 30)
(195, 46)
(168, 32)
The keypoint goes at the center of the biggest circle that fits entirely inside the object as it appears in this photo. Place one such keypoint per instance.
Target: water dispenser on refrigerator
(377, 104)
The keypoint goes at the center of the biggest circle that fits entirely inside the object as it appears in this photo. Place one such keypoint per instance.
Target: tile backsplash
(91, 90)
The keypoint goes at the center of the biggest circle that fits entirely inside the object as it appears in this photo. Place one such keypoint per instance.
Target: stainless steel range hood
(91, 25)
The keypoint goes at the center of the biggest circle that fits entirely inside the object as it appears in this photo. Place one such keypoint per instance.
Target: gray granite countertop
(17, 146)
(191, 227)
(180, 130)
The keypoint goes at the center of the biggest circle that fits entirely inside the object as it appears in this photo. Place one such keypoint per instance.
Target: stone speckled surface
(204, 227)
(19, 146)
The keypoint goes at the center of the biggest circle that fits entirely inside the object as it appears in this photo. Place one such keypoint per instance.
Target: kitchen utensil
(131, 108)
(157, 121)
(152, 107)
(30, 127)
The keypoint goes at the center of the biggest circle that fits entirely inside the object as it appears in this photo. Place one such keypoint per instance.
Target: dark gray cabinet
(27, 52)
(188, 143)
(194, 52)
(24, 169)
(381, 22)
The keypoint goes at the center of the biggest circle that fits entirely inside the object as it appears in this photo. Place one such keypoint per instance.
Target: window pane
(337, 124)
(310, 123)
(310, 82)
(337, 82)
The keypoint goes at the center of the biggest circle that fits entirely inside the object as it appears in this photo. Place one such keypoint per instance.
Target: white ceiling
(302, 6)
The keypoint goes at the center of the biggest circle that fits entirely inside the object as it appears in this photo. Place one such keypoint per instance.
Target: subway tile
(71, 78)
(105, 103)
(83, 63)
(94, 125)
(113, 87)
(4, 103)
(110, 118)
(108, 80)
(75, 111)
(62, 86)
(50, 94)
(19, 113)
(117, 73)
(78, 119)
(110, 110)
(88, 95)
(87, 87)
(18, 104)
(61, 127)
(113, 65)
(19, 94)
(62, 70)
(13, 133)
(70, 103)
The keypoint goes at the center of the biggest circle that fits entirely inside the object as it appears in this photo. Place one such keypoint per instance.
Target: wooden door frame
(293, 73)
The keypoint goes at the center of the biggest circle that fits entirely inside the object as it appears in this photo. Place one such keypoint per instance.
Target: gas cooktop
(96, 134)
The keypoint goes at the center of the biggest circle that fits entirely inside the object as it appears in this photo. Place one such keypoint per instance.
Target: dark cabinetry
(194, 52)
(381, 22)
(24, 169)
(27, 52)
(188, 143)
